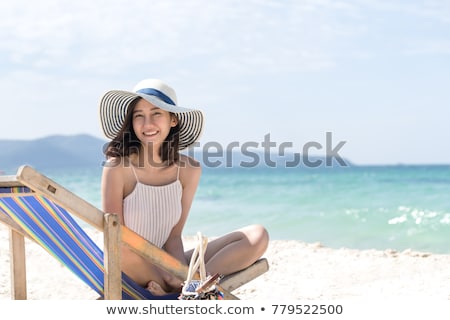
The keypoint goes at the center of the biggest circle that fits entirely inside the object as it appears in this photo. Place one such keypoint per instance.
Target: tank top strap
(178, 172)
(134, 172)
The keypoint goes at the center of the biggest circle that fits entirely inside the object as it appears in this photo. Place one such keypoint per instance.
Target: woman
(151, 186)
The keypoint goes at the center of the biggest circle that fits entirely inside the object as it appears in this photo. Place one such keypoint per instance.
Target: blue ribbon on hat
(156, 93)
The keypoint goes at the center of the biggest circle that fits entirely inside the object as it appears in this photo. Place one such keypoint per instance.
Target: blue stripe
(80, 253)
(156, 93)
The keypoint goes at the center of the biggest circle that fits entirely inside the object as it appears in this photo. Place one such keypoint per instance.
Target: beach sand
(298, 271)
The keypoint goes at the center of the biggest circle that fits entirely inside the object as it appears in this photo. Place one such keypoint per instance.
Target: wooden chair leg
(18, 266)
(111, 258)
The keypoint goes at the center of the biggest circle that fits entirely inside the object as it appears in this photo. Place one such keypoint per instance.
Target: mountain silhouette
(56, 151)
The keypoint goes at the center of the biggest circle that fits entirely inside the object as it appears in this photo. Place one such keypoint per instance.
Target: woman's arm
(112, 187)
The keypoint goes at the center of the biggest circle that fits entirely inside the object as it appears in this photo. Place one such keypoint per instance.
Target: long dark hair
(126, 143)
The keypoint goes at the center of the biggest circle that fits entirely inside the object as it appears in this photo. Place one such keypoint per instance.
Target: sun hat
(114, 106)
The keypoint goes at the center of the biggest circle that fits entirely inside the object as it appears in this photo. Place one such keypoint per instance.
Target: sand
(298, 271)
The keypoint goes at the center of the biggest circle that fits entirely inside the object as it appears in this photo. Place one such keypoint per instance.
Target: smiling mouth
(150, 134)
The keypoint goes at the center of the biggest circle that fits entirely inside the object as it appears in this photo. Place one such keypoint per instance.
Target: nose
(148, 121)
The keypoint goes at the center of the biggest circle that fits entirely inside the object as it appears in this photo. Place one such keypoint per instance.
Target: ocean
(360, 207)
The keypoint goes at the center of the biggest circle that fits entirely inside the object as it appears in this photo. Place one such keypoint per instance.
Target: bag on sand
(205, 287)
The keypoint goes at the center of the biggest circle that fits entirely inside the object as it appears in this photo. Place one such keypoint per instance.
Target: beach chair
(34, 206)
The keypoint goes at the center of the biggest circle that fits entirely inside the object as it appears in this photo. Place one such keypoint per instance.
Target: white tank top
(153, 211)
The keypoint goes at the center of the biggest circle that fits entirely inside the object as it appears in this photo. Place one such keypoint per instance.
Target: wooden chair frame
(114, 235)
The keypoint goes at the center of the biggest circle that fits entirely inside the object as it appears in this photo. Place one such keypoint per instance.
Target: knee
(258, 237)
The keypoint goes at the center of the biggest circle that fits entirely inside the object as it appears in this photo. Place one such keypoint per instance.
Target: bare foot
(155, 288)
(172, 282)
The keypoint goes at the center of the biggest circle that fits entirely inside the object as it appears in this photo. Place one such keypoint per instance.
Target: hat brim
(114, 106)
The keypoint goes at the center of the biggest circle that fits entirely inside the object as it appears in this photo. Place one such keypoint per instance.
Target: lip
(150, 134)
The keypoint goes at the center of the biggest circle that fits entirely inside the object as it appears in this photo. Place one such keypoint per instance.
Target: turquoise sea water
(396, 207)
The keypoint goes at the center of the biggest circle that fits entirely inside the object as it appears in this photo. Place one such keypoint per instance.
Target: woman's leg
(148, 275)
(236, 250)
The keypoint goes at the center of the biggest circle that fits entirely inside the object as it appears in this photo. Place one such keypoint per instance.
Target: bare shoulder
(115, 167)
(113, 162)
(187, 161)
(189, 167)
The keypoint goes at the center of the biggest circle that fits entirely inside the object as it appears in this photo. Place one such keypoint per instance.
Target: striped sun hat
(114, 105)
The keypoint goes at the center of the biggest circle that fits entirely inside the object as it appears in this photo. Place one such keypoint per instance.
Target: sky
(374, 74)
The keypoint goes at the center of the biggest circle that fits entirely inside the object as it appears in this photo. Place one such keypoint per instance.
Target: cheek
(137, 123)
(165, 122)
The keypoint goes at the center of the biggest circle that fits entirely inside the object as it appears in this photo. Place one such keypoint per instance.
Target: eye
(137, 115)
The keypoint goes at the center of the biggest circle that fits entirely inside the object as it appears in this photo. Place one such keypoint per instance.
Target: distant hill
(56, 151)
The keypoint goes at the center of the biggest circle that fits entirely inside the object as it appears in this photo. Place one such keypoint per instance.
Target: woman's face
(151, 124)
